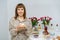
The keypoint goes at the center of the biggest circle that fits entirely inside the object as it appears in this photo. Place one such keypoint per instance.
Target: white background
(3, 20)
(36, 8)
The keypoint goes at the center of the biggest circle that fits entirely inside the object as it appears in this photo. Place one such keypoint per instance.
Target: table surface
(53, 34)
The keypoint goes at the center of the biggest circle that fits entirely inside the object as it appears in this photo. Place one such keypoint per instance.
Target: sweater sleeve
(11, 28)
(29, 28)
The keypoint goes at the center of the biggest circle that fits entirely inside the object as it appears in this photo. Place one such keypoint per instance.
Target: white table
(41, 35)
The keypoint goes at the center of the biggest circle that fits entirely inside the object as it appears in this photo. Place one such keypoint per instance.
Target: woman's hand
(20, 27)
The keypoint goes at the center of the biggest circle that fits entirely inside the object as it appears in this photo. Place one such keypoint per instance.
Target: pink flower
(41, 18)
(47, 18)
(34, 17)
(50, 18)
(44, 16)
(38, 19)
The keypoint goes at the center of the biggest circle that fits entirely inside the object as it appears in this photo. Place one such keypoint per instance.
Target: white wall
(36, 8)
(3, 20)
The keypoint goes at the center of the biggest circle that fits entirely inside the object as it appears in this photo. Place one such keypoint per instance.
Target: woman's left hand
(22, 26)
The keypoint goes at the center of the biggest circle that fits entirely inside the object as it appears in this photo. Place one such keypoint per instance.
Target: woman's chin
(20, 15)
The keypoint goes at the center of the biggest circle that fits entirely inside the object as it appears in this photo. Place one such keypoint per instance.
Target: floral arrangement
(34, 21)
(46, 20)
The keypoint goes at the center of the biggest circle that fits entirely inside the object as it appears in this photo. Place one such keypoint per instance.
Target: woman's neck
(21, 18)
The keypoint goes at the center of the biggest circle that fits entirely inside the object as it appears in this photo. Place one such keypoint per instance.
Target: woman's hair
(20, 5)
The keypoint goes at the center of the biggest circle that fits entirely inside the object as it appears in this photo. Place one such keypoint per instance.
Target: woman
(19, 26)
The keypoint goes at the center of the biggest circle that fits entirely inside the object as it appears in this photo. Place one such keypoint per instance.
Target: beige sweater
(19, 35)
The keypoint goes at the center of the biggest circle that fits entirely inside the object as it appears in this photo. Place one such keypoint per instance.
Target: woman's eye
(21, 9)
(18, 9)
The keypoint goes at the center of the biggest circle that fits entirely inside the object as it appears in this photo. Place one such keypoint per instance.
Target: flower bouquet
(35, 22)
(46, 20)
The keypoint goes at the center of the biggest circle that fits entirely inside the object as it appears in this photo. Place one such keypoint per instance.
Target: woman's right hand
(20, 27)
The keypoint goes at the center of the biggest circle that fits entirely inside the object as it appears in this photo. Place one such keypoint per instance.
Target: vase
(35, 32)
(45, 32)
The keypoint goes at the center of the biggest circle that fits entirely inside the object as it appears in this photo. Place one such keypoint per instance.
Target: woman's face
(20, 11)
